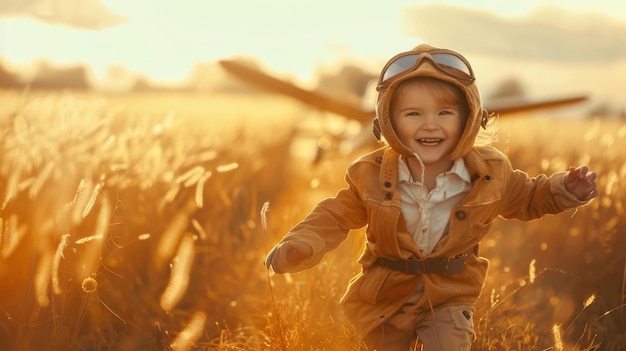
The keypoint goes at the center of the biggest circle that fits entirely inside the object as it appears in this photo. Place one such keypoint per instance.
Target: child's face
(428, 124)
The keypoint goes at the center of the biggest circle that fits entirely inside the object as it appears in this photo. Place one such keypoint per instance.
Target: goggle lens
(448, 63)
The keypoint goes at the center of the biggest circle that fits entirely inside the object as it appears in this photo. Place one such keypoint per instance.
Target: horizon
(558, 45)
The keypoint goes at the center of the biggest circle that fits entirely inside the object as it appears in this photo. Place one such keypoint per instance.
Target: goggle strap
(376, 129)
(485, 119)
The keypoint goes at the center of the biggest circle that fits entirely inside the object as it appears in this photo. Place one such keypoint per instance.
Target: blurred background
(550, 48)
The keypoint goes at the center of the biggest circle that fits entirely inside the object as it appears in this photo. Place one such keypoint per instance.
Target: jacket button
(378, 159)
(460, 215)
(387, 184)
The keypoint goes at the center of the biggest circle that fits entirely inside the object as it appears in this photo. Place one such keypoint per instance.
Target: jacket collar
(458, 169)
(479, 172)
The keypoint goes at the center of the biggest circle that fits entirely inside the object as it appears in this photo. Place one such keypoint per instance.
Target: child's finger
(591, 177)
(583, 171)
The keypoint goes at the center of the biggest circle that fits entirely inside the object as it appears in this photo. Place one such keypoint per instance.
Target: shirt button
(460, 215)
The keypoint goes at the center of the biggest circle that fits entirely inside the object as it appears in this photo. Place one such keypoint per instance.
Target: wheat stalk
(264, 210)
(81, 199)
(14, 235)
(188, 336)
(56, 263)
(558, 341)
(11, 191)
(92, 199)
(179, 277)
(190, 177)
(200, 188)
(79, 190)
(172, 233)
(227, 167)
(91, 257)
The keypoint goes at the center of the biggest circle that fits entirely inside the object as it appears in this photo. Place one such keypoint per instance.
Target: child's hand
(290, 253)
(582, 183)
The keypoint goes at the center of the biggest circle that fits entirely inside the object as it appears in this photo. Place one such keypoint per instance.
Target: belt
(440, 265)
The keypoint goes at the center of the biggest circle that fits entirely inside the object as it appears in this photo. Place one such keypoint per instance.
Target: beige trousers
(446, 328)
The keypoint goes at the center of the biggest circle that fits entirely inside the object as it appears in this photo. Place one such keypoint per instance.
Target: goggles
(447, 62)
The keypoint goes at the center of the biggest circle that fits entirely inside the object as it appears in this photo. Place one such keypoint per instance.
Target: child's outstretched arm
(327, 225)
(581, 183)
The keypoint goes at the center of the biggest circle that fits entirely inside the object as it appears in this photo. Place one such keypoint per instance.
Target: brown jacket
(371, 199)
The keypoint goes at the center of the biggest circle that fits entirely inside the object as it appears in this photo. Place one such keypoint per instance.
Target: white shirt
(427, 214)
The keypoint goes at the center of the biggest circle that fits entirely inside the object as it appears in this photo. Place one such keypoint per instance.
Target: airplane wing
(269, 83)
(510, 106)
(314, 99)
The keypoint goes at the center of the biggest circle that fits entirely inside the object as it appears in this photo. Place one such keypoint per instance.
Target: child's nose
(430, 123)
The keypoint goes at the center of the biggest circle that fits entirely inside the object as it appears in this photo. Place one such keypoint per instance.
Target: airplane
(346, 141)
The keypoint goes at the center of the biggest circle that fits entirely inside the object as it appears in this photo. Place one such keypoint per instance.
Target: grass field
(141, 222)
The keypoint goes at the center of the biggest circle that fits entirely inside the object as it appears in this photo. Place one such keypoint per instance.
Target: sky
(164, 39)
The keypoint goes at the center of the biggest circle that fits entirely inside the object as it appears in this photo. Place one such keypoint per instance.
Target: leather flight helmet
(422, 62)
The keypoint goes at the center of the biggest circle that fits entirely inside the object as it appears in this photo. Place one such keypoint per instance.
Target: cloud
(549, 33)
(82, 14)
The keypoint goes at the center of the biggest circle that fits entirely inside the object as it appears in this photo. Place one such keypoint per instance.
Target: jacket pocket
(371, 283)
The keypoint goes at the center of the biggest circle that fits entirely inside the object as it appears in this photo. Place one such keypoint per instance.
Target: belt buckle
(436, 265)
(411, 267)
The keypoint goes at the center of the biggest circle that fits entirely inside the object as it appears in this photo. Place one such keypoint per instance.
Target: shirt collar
(458, 169)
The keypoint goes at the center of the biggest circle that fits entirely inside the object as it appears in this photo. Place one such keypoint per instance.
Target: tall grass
(141, 223)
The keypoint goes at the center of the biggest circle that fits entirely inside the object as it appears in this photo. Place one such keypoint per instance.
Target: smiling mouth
(429, 141)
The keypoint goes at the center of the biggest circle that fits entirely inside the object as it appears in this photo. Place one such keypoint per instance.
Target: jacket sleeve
(529, 198)
(327, 225)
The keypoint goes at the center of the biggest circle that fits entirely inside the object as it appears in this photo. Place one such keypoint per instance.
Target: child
(427, 198)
